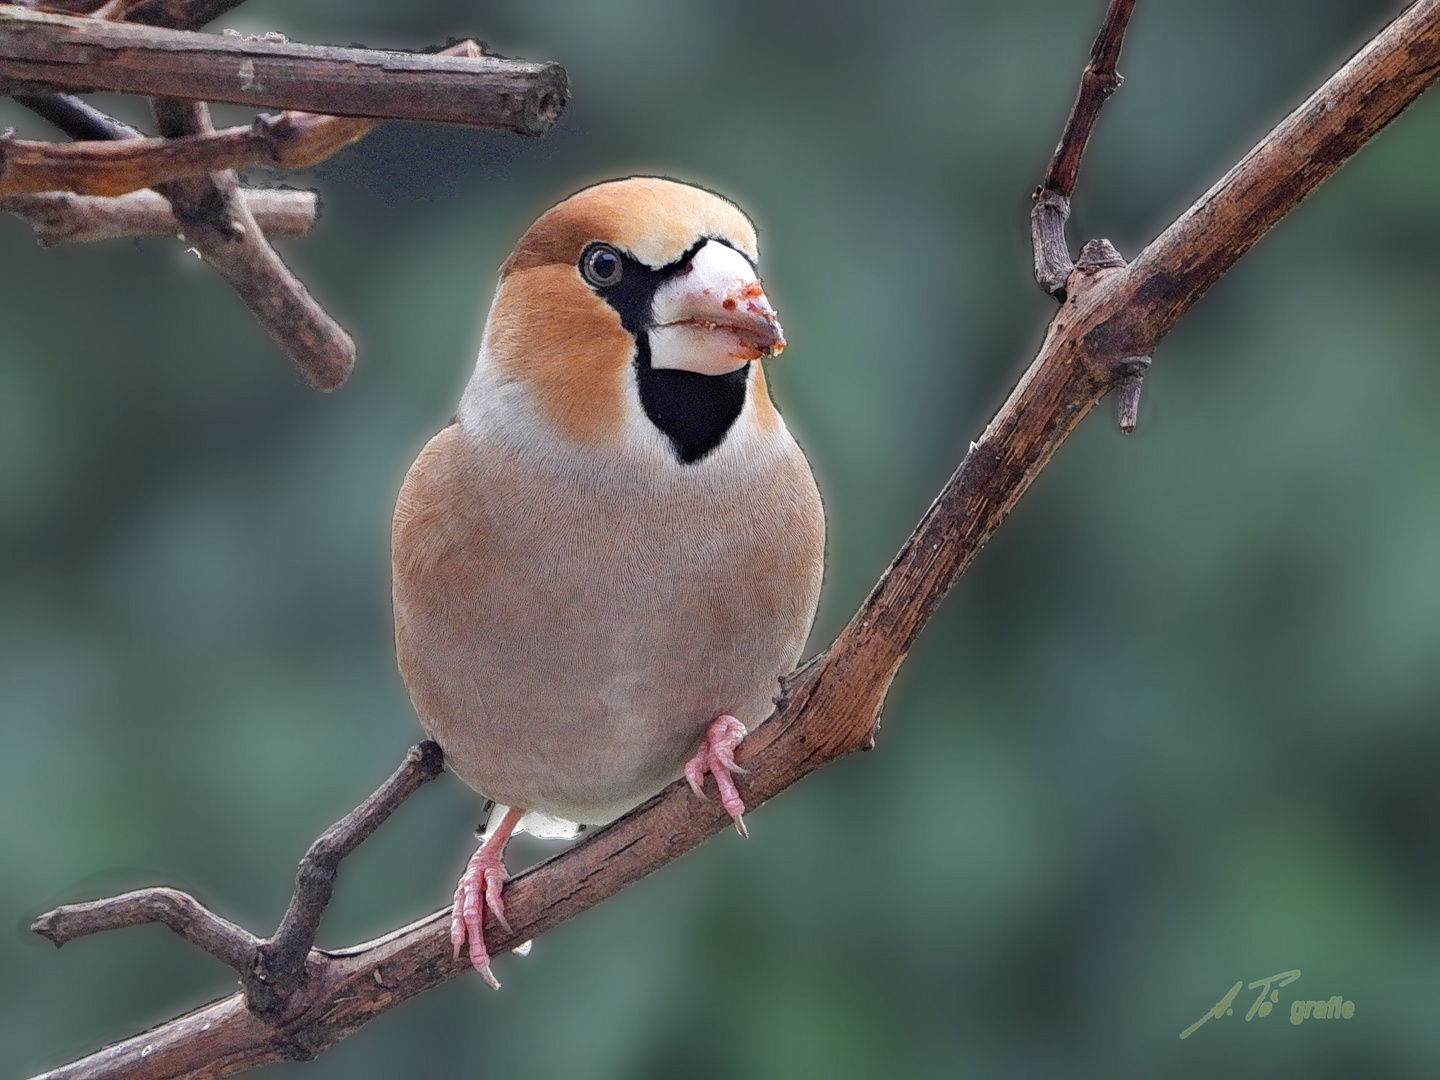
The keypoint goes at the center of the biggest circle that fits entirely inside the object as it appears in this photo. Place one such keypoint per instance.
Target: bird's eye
(601, 265)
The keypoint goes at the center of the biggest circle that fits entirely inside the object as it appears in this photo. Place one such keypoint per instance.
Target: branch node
(1099, 255)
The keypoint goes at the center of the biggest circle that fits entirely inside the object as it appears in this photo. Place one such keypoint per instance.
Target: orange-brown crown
(654, 219)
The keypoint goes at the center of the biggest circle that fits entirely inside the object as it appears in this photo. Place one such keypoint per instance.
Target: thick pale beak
(713, 318)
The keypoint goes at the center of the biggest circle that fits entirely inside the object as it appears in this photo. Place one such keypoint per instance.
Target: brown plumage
(608, 552)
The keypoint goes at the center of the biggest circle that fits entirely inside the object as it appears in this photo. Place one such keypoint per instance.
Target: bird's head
(636, 301)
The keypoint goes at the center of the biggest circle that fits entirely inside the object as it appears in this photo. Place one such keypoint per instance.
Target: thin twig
(76, 118)
(280, 970)
(78, 53)
(60, 217)
(179, 911)
(831, 706)
(1052, 197)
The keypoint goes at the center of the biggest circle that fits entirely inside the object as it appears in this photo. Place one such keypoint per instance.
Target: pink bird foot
(483, 880)
(717, 757)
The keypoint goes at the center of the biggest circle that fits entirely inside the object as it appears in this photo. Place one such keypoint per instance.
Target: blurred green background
(1176, 728)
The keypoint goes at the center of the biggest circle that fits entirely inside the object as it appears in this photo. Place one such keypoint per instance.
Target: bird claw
(482, 886)
(717, 757)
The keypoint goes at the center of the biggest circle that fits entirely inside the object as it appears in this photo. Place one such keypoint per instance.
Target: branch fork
(272, 969)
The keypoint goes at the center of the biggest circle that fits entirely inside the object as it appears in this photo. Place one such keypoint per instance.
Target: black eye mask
(693, 411)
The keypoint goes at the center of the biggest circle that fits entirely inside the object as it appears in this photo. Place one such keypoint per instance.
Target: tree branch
(291, 140)
(830, 707)
(60, 217)
(179, 911)
(270, 971)
(76, 118)
(280, 969)
(218, 222)
(81, 121)
(1052, 198)
(81, 53)
(192, 168)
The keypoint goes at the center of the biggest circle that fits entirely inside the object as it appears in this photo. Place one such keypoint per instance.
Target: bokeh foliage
(1176, 728)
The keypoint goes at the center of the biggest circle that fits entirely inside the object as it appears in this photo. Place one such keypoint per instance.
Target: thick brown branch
(1052, 198)
(60, 217)
(1113, 314)
(75, 53)
(179, 911)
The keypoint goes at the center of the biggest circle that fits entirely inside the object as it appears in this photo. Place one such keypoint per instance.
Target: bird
(607, 560)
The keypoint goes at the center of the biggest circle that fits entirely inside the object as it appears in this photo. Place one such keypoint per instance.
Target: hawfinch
(604, 564)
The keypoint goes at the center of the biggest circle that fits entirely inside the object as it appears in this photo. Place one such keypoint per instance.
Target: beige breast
(567, 632)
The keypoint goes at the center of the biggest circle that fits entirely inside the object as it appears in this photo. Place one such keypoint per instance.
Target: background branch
(60, 217)
(192, 166)
(81, 121)
(208, 206)
(79, 53)
(218, 222)
(76, 118)
(1112, 314)
(113, 160)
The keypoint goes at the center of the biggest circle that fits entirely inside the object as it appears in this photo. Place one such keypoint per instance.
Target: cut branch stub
(39, 49)
(1132, 379)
